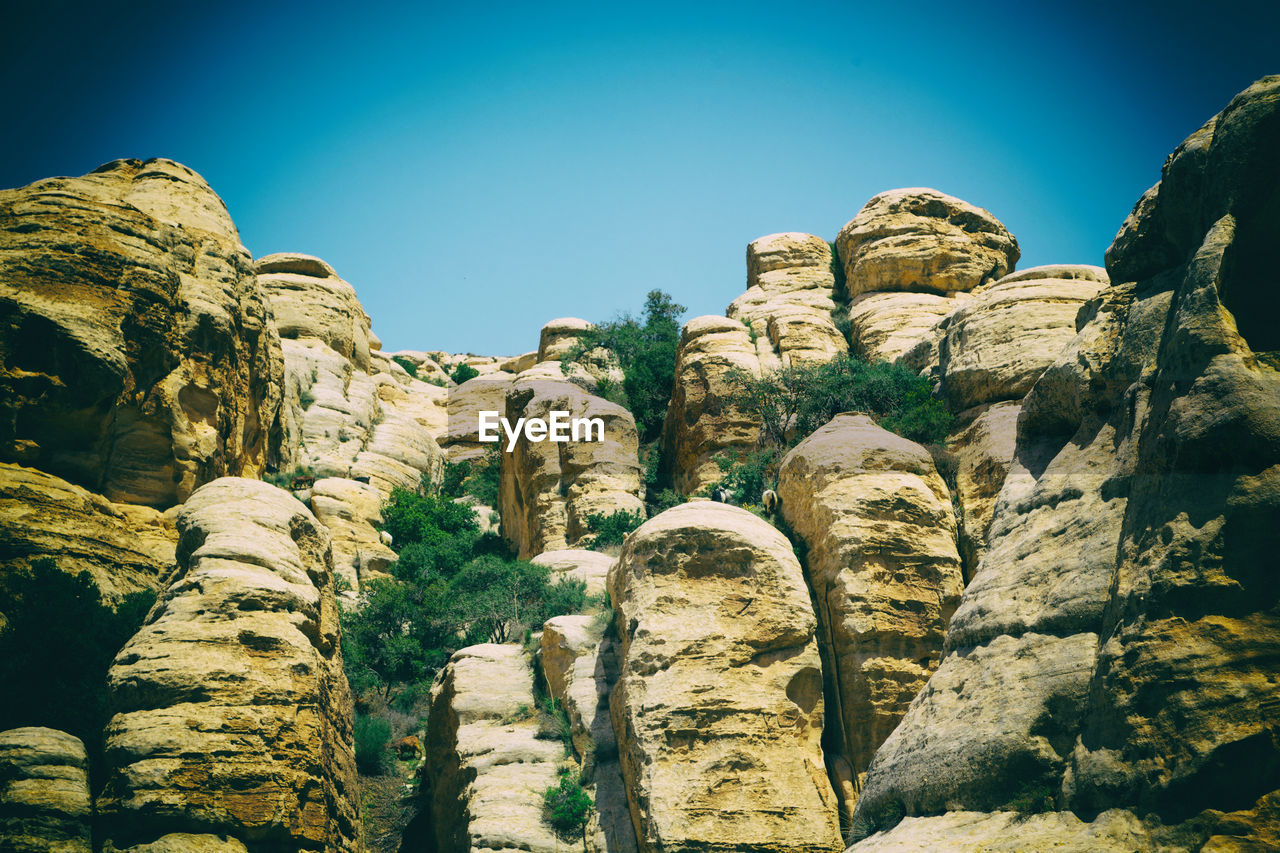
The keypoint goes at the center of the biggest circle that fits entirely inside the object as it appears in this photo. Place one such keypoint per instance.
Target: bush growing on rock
(407, 363)
(463, 372)
(612, 529)
(567, 804)
(372, 734)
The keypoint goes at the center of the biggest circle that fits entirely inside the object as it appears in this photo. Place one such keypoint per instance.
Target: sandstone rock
(882, 561)
(428, 369)
(549, 489)
(309, 300)
(185, 842)
(423, 402)
(558, 337)
(486, 767)
(888, 326)
(520, 363)
(995, 346)
(983, 444)
(1010, 832)
(719, 706)
(232, 712)
(351, 511)
(137, 356)
(125, 548)
(590, 567)
(44, 792)
(484, 393)
(925, 241)
(700, 423)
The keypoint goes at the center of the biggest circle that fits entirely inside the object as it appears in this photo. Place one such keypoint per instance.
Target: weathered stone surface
(185, 842)
(995, 346)
(790, 298)
(590, 567)
(466, 402)
(44, 792)
(423, 402)
(719, 706)
(882, 561)
(558, 337)
(580, 662)
(125, 548)
(700, 423)
(309, 300)
(888, 326)
(137, 356)
(520, 363)
(232, 712)
(351, 511)
(1010, 832)
(925, 241)
(486, 767)
(428, 369)
(983, 444)
(550, 489)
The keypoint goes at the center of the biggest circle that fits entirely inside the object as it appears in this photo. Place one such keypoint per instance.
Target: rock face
(466, 402)
(590, 567)
(352, 512)
(882, 560)
(232, 712)
(924, 241)
(719, 707)
(44, 792)
(888, 326)
(125, 548)
(983, 443)
(995, 346)
(700, 422)
(550, 489)
(1122, 577)
(558, 338)
(310, 301)
(486, 767)
(790, 300)
(137, 355)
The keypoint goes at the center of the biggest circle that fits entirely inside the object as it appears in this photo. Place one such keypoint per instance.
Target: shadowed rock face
(719, 707)
(232, 712)
(44, 792)
(137, 355)
(1124, 573)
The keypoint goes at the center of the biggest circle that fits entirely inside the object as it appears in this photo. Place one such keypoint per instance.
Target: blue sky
(478, 169)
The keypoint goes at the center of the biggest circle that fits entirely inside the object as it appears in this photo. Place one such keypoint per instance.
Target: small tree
(567, 805)
(463, 372)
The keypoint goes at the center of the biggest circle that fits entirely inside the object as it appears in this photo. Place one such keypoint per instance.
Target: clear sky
(476, 169)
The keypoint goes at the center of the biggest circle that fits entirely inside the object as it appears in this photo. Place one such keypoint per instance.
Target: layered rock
(309, 300)
(719, 706)
(889, 326)
(558, 338)
(466, 402)
(590, 567)
(550, 489)
(790, 300)
(125, 548)
(995, 346)
(982, 445)
(137, 354)
(44, 792)
(486, 767)
(231, 711)
(921, 240)
(1122, 575)
(352, 512)
(700, 421)
(877, 522)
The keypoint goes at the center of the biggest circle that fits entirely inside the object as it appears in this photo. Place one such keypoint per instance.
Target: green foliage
(480, 478)
(307, 399)
(372, 735)
(407, 363)
(567, 805)
(463, 372)
(646, 349)
(286, 479)
(553, 724)
(748, 474)
(411, 518)
(667, 498)
(1033, 798)
(612, 529)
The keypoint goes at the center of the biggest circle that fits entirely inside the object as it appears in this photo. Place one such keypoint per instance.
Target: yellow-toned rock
(309, 300)
(560, 336)
(892, 326)
(44, 792)
(352, 512)
(719, 707)
(590, 567)
(466, 402)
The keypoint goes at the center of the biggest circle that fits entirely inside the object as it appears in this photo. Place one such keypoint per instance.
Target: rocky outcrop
(877, 522)
(719, 706)
(125, 548)
(580, 662)
(137, 354)
(590, 567)
(995, 346)
(923, 241)
(700, 421)
(486, 767)
(466, 402)
(982, 445)
(550, 489)
(790, 300)
(352, 513)
(559, 337)
(44, 792)
(1122, 578)
(231, 711)
(309, 300)
(889, 326)
(184, 842)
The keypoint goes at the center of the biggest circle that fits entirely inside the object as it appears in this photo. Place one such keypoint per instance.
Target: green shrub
(1033, 798)
(287, 479)
(463, 372)
(567, 805)
(306, 399)
(612, 529)
(407, 363)
(428, 519)
(746, 475)
(667, 498)
(372, 735)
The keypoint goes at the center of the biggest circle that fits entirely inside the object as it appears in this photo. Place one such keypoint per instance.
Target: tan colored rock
(426, 403)
(719, 707)
(232, 712)
(982, 444)
(44, 792)
(137, 356)
(185, 842)
(125, 548)
(428, 369)
(995, 346)
(520, 363)
(466, 401)
(549, 489)
(309, 300)
(558, 337)
(351, 511)
(1010, 832)
(486, 766)
(590, 567)
(882, 561)
(890, 326)
(700, 423)
(924, 241)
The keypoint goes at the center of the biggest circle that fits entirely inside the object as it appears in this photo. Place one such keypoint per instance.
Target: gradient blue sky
(478, 169)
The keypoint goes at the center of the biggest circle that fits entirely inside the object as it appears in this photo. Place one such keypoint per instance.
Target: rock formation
(137, 354)
(44, 792)
(466, 402)
(558, 337)
(590, 567)
(232, 712)
(719, 707)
